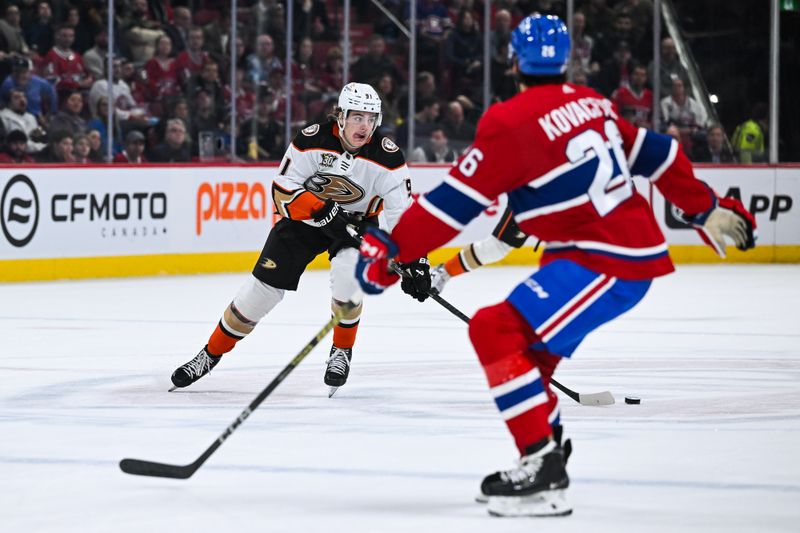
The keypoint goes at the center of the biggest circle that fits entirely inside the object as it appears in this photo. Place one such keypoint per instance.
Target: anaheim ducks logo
(334, 187)
(268, 264)
(311, 130)
(389, 145)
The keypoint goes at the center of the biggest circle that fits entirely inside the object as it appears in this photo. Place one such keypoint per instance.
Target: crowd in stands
(171, 71)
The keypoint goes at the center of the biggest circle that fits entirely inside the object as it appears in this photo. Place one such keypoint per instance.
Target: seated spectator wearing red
(63, 66)
(162, 72)
(376, 62)
(70, 118)
(134, 149)
(174, 148)
(305, 73)
(191, 61)
(635, 103)
(714, 149)
(15, 149)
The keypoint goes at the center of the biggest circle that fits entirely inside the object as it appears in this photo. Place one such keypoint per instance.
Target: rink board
(87, 222)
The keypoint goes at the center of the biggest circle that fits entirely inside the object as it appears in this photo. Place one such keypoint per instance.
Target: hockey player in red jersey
(565, 158)
(334, 176)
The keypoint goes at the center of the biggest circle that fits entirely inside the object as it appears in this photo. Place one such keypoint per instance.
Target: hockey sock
(344, 334)
(232, 327)
(454, 266)
(518, 377)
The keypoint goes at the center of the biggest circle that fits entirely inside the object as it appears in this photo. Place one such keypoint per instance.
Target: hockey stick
(149, 468)
(595, 398)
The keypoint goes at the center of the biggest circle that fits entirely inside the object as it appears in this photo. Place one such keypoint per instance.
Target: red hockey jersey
(64, 69)
(565, 158)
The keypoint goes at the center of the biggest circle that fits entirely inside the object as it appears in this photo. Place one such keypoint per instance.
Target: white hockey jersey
(316, 168)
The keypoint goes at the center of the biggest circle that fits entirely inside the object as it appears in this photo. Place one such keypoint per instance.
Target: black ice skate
(534, 488)
(338, 368)
(195, 369)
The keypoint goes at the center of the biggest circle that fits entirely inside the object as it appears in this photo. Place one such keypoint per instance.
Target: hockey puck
(633, 400)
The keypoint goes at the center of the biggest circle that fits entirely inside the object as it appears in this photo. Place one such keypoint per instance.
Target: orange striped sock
(454, 266)
(221, 342)
(344, 335)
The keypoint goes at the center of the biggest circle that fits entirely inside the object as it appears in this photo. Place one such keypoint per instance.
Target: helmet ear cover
(540, 45)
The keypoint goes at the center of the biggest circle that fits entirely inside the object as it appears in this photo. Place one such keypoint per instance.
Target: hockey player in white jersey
(334, 175)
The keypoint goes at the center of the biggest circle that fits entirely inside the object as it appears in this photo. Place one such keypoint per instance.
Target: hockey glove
(333, 221)
(417, 278)
(727, 217)
(372, 269)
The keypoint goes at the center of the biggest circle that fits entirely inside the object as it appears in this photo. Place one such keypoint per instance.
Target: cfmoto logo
(19, 210)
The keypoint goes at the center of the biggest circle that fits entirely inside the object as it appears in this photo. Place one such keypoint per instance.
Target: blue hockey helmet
(541, 45)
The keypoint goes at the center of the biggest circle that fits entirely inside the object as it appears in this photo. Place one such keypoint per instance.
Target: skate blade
(332, 391)
(547, 503)
(173, 388)
(481, 498)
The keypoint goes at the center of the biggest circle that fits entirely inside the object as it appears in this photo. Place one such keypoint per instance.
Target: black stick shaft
(149, 468)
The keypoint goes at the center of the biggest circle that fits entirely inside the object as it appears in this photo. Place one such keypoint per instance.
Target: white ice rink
(84, 371)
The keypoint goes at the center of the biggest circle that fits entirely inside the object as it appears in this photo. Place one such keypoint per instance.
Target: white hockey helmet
(360, 97)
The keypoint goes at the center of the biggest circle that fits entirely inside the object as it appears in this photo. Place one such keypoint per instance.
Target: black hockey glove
(417, 278)
(333, 221)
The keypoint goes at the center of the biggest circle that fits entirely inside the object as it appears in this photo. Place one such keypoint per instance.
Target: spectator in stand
(206, 120)
(261, 138)
(391, 114)
(605, 46)
(63, 66)
(460, 132)
(425, 121)
(685, 112)
(216, 35)
(245, 95)
(178, 31)
(16, 117)
(671, 68)
(375, 63)
(599, 17)
(641, 15)
(582, 45)
(139, 32)
(12, 41)
(40, 95)
(635, 102)
(16, 149)
(305, 75)
(70, 118)
(191, 61)
(241, 58)
(136, 80)
(126, 107)
(261, 63)
(501, 34)
(433, 23)
(714, 149)
(98, 122)
(332, 79)
(616, 71)
(436, 150)
(162, 72)
(134, 149)
(311, 20)
(504, 81)
(39, 33)
(82, 149)
(84, 31)
(749, 138)
(208, 82)
(174, 148)
(96, 146)
(426, 89)
(59, 150)
(464, 54)
(95, 58)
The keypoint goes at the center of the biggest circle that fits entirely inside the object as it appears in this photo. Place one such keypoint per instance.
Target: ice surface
(712, 351)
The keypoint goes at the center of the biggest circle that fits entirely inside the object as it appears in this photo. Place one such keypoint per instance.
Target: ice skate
(338, 368)
(195, 369)
(439, 277)
(534, 488)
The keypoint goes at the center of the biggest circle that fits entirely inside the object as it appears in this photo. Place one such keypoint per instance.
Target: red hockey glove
(372, 270)
(727, 217)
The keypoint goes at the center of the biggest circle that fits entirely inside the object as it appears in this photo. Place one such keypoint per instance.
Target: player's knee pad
(499, 331)
(253, 301)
